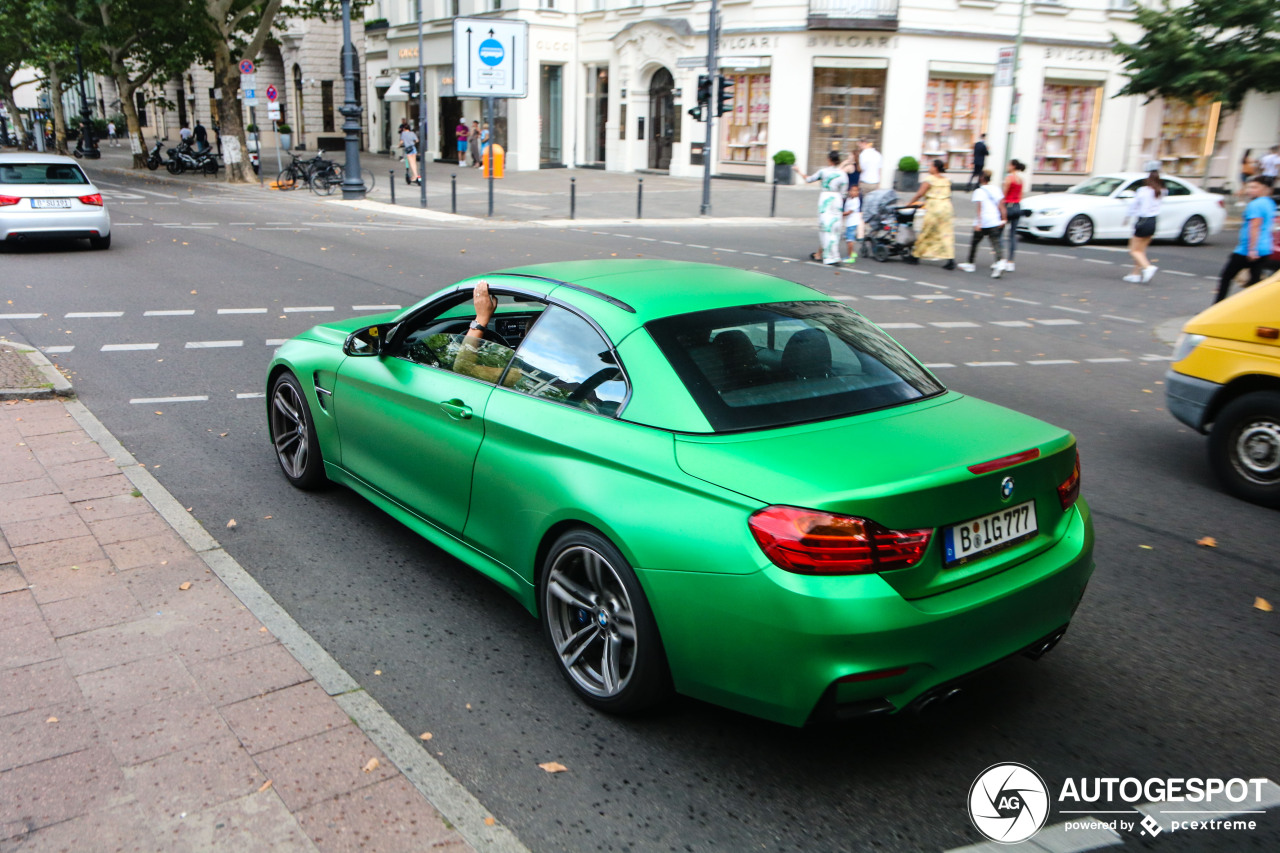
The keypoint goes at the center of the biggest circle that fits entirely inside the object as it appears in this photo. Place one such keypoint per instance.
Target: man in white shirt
(988, 223)
(869, 162)
(1270, 166)
(111, 134)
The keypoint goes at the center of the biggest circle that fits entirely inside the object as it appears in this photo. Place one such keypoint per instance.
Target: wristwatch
(476, 324)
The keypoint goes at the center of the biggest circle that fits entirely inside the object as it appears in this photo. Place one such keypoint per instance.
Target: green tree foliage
(1219, 48)
(19, 23)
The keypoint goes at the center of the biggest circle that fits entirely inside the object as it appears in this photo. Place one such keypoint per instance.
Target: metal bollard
(393, 186)
(453, 190)
(640, 199)
(773, 202)
(573, 198)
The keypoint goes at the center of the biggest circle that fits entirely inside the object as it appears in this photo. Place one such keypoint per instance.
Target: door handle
(455, 408)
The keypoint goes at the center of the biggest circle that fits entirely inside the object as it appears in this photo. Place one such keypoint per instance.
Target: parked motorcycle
(184, 157)
(155, 159)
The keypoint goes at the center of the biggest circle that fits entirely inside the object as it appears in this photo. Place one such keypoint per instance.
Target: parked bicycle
(299, 171)
(329, 178)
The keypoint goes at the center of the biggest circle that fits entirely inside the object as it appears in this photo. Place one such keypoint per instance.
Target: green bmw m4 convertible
(701, 480)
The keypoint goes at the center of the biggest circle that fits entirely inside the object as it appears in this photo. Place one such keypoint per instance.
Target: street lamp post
(1013, 89)
(713, 25)
(86, 114)
(353, 187)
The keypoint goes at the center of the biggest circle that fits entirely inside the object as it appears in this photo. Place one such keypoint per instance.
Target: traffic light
(704, 88)
(410, 83)
(724, 102)
(696, 112)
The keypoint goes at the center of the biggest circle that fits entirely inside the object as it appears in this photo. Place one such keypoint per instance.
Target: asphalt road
(1167, 670)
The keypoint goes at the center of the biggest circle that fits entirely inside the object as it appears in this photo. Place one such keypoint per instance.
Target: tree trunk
(137, 143)
(235, 151)
(15, 118)
(59, 114)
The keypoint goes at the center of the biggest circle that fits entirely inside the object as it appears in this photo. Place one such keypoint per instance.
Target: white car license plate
(51, 202)
(989, 532)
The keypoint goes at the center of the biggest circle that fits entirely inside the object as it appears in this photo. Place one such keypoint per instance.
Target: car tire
(1244, 447)
(590, 602)
(293, 434)
(1194, 231)
(1079, 230)
(100, 242)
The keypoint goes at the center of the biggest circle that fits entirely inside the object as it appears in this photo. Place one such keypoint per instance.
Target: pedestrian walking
(853, 169)
(869, 162)
(988, 223)
(980, 153)
(1248, 167)
(1143, 210)
(409, 141)
(185, 134)
(460, 134)
(474, 138)
(111, 134)
(1269, 166)
(201, 135)
(1013, 183)
(854, 226)
(936, 240)
(1256, 239)
(484, 144)
(833, 183)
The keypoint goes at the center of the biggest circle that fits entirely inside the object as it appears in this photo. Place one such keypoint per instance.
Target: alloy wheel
(592, 621)
(289, 429)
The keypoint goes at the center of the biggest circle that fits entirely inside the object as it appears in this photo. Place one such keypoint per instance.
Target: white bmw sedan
(49, 196)
(1096, 209)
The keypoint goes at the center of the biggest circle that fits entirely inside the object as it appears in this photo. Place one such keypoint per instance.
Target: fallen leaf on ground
(1146, 547)
(425, 736)
(553, 767)
(266, 516)
(1263, 605)
(184, 586)
(1207, 541)
(262, 630)
(231, 523)
(265, 786)
(489, 821)
(222, 435)
(468, 706)
(52, 720)
(159, 413)
(372, 765)
(377, 672)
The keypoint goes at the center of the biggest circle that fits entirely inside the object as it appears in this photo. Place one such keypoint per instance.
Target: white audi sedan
(49, 196)
(1096, 209)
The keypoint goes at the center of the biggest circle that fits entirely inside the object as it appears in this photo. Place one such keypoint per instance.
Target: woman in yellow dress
(936, 240)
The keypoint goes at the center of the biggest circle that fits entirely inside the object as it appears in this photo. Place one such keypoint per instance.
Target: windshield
(760, 366)
(41, 173)
(1097, 186)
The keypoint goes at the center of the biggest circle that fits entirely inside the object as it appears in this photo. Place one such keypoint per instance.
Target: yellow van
(1225, 381)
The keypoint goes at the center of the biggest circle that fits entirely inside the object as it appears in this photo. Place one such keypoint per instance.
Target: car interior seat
(807, 354)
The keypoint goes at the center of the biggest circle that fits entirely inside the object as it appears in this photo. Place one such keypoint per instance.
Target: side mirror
(365, 342)
(1127, 194)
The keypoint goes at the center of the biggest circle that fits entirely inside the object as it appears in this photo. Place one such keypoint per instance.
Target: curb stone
(54, 383)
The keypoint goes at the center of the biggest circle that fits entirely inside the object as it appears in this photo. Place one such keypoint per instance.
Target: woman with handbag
(1144, 209)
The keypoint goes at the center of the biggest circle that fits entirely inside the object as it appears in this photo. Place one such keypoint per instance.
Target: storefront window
(848, 105)
(1187, 132)
(1068, 122)
(744, 131)
(955, 115)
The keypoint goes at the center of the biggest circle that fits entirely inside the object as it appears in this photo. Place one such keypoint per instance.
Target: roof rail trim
(587, 290)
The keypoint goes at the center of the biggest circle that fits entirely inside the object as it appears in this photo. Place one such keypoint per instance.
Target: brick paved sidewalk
(142, 705)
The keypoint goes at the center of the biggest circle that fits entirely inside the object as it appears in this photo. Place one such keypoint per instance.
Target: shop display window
(1187, 131)
(744, 131)
(955, 115)
(1068, 122)
(848, 105)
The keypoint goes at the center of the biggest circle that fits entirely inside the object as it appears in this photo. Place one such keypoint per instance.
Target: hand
(1253, 255)
(485, 303)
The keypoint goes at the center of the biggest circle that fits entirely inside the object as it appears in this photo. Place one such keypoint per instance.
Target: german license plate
(51, 202)
(989, 533)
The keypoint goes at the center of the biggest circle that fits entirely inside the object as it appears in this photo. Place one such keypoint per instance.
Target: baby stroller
(889, 231)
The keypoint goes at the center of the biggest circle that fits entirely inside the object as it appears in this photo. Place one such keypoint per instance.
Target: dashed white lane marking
(931, 284)
(716, 249)
(1113, 360)
(954, 324)
(1150, 357)
(890, 277)
(1057, 321)
(251, 395)
(296, 228)
(1064, 257)
(178, 312)
(175, 226)
(57, 350)
(1012, 324)
(672, 243)
(305, 308)
(756, 254)
(1053, 361)
(1070, 310)
(275, 342)
(932, 297)
(1187, 274)
(242, 310)
(213, 344)
(886, 297)
(1020, 301)
(201, 398)
(900, 325)
(376, 307)
(279, 223)
(991, 363)
(84, 315)
(1210, 277)
(648, 239)
(1121, 319)
(847, 298)
(20, 316)
(939, 364)
(1099, 261)
(241, 223)
(976, 292)
(127, 347)
(696, 246)
(777, 258)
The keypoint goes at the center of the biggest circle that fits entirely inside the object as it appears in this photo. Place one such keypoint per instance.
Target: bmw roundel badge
(1006, 488)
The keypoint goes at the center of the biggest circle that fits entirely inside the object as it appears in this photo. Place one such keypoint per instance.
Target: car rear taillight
(812, 542)
(1069, 489)
(6, 200)
(95, 199)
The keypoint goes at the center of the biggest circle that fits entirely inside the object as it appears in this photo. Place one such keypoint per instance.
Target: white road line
(775, 257)
(1064, 257)
(1020, 301)
(931, 284)
(251, 395)
(189, 227)
(376, 307)
(955, 324)
(697, 246)
(756, 254)
(282, 229)
(212, 344)
(56, 350)
(939, 364)
(886, 297)
(290, 223)
(976, 292)
(1150, 357)
(151, 192)
(305, 308)
(1012, 324)
(1099, 261)
(932, 296)
(890, 277)
(718, 249)
(1057, 321)
(900, 325)
(178, 312)
(846, 298)
(648, 239)
(1070, 310)
(151, 400)
(84, 315)
(126, 347)
(1210, 277)
(1053, 361)
(1115, 360)
(1027, 251)
(672, 243)
(1121, 319)
(991, 363)
(1178, 272)
(242, 310)
(275, 342)
(241, 223)
(623, 236)
(20, 316)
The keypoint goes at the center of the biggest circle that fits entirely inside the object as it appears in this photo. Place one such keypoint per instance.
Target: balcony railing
(853, 14)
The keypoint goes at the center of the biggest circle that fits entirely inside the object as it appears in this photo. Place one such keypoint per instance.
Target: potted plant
(252, 128)
(286, 135)
(908, 178)
(782, 163)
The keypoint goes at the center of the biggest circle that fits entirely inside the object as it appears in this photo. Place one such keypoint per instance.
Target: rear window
(41, 173)
(767, 365)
